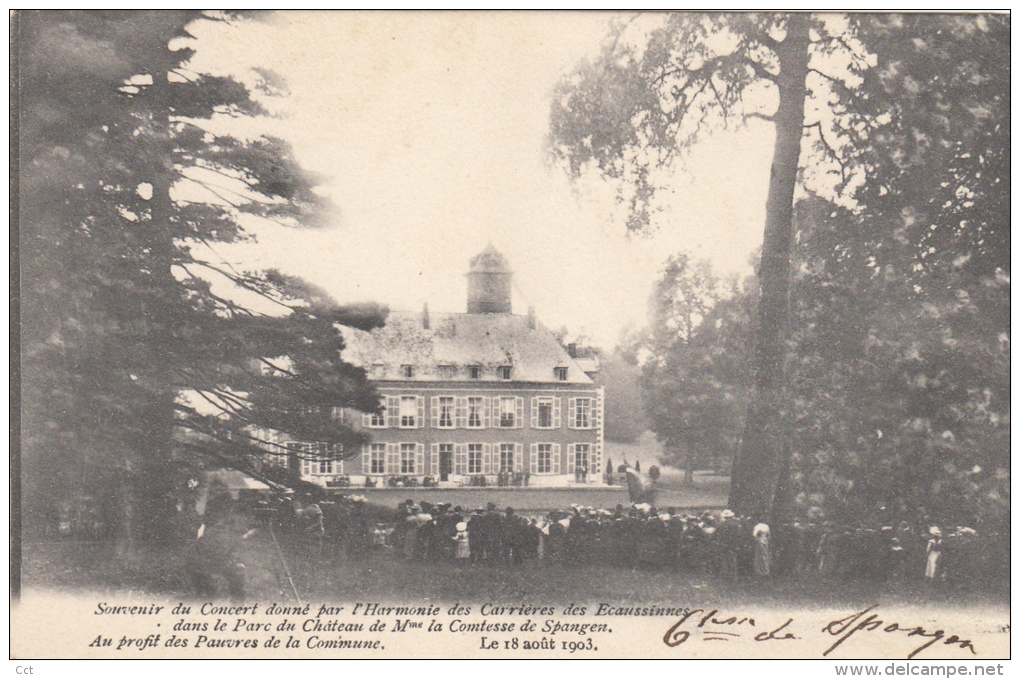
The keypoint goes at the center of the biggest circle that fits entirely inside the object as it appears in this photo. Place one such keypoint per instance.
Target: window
(408, 412)
(407, 455)
(377, 458)
(314, 460)
(445, 420)
(582, 413)
(507, 412)
(544, 459)
(561, 374)
(582, 456)
(376, 420)
(545, 413)
(407, 371)
(317, 467)
(504, 372)
(338, 414)
(475, 372)
(474, 458)
(277, 460)
(448, 371)
(475, 404)
(506, 457)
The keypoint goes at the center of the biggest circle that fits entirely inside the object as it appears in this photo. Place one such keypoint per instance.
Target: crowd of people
(717, 543)
(708, 542)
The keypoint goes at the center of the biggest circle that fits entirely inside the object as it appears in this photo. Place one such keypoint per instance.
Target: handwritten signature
(711, 625)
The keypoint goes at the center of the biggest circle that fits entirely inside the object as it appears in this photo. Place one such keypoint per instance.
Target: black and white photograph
(512, 335)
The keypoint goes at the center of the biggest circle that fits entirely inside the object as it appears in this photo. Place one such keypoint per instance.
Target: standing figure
(411, 524)
(931, 567)
(461, 541)
(762, 551)
(216, 553)
(728, 538)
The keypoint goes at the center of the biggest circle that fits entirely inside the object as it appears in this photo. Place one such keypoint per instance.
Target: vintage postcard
(513, 335)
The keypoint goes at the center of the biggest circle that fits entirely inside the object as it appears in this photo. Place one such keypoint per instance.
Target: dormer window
(475, 372)
(561, 374)
(448, 371)
(505, 371)
(407, 371)
(378, 370)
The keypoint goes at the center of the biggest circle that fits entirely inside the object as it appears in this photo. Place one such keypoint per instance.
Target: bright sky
(428, 129)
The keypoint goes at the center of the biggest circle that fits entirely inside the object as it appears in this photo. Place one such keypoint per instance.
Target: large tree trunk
(758, 463)
(153, 492)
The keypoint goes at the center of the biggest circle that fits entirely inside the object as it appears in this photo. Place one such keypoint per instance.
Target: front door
(445, 465)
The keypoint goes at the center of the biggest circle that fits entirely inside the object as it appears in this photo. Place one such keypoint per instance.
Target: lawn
(386, 576)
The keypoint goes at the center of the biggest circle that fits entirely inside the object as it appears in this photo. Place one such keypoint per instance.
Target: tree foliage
(136, 332)
(695, 372)
(900, 360)
(881, 334)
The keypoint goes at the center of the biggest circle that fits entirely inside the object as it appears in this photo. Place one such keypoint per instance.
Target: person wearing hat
(762, 550)
(478, 535)
(462, 543)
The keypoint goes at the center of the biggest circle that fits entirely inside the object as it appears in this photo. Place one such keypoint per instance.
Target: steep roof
(457, 341)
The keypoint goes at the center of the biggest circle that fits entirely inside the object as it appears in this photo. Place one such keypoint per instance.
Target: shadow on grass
(385, 576)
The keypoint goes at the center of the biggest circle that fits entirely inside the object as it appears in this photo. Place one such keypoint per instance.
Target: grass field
(386, 576)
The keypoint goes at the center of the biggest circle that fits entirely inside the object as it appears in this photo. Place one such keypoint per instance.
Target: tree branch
(762, 72)
(835, 81)
(239, 280)
(278, 368)
(831, 149)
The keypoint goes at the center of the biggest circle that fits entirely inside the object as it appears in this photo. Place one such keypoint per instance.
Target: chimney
(531, 317)
(425, 316)
(572, 350)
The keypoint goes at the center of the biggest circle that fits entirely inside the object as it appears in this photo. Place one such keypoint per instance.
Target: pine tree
(142, 364)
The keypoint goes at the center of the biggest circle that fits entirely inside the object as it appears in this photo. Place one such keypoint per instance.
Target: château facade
(485, 396)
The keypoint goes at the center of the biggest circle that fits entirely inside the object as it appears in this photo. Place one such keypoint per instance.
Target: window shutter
(460, 458)
(534, 412)
(571, 458)
(572, 414)
(557, 408)
(487, 458)
(419, 458)
(434, 461)
(556, 458)
(420, 419)
(518, 457)
(533, 462)
(366, 420)
(461, 413)
(392, 458)
(392, 411)
(435, 412)
(518, 412)
(486, 411)
(366, 463)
